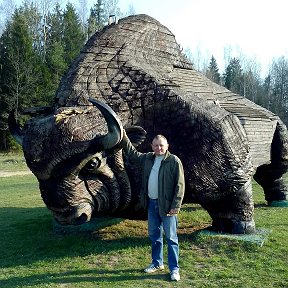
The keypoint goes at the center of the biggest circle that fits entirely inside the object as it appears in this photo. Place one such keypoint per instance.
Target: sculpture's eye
(93, 164)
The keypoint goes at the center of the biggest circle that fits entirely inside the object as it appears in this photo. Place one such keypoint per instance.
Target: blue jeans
(156, 225)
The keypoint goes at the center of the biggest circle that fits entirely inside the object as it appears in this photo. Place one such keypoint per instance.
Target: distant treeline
(38, 44)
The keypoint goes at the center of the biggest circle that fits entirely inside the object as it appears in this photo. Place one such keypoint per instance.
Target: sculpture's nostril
(81, 219)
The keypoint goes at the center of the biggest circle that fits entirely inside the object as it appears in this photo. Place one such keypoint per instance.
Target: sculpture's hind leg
(234, 212)
(270, 176)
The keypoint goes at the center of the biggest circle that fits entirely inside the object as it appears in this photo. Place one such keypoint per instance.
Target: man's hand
(173, 212)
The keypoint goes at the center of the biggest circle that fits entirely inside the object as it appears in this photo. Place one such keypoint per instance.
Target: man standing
(162, 192)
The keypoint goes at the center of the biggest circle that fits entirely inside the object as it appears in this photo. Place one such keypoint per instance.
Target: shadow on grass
(261, 205)
(27, 236)
(82, 276)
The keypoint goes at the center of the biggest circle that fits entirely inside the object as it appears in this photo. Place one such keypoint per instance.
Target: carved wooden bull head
(67, 151)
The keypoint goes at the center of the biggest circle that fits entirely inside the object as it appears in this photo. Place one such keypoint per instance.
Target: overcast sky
(255, 28)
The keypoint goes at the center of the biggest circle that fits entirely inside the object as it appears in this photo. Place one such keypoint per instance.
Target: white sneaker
(152, 268)
(175, 276)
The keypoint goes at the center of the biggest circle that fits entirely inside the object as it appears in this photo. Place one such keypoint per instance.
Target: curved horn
(115, 129)
(14, 128)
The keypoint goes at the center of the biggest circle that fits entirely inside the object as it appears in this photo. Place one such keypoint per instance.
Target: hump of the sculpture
(140, 49)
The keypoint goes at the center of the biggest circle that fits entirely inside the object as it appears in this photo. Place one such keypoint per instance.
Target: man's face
(159, 146)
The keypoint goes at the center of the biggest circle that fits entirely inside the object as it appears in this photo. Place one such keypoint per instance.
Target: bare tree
(7, 8)
(279, 75)
(110, 7)
(227, 55)
(200, 60)
(45, 6)
(131, 10)
(83, 12)
(251, 77)
(188, 54)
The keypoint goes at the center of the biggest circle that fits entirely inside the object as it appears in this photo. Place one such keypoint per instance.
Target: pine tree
(233, 76)
(55, 58)
(18, 53)
(213, 71)
(24, 77)
(73, 36)
(96, 19)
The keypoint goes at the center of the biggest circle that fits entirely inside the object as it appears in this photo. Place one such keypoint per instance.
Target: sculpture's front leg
(234, 212)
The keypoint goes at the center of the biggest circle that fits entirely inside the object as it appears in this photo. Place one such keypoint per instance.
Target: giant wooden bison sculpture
(137, 68)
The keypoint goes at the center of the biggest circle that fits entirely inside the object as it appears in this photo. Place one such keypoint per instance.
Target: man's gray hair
(160, 136)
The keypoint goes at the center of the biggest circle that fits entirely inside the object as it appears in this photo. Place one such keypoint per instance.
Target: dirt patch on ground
(14, 173)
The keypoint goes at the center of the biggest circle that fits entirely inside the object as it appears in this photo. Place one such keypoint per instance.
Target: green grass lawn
(32, 255)
(10, 162)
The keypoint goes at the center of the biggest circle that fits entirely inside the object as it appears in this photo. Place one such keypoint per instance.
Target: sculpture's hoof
(233, 227)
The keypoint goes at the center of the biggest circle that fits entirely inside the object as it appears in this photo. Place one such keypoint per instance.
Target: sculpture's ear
(136, 134)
